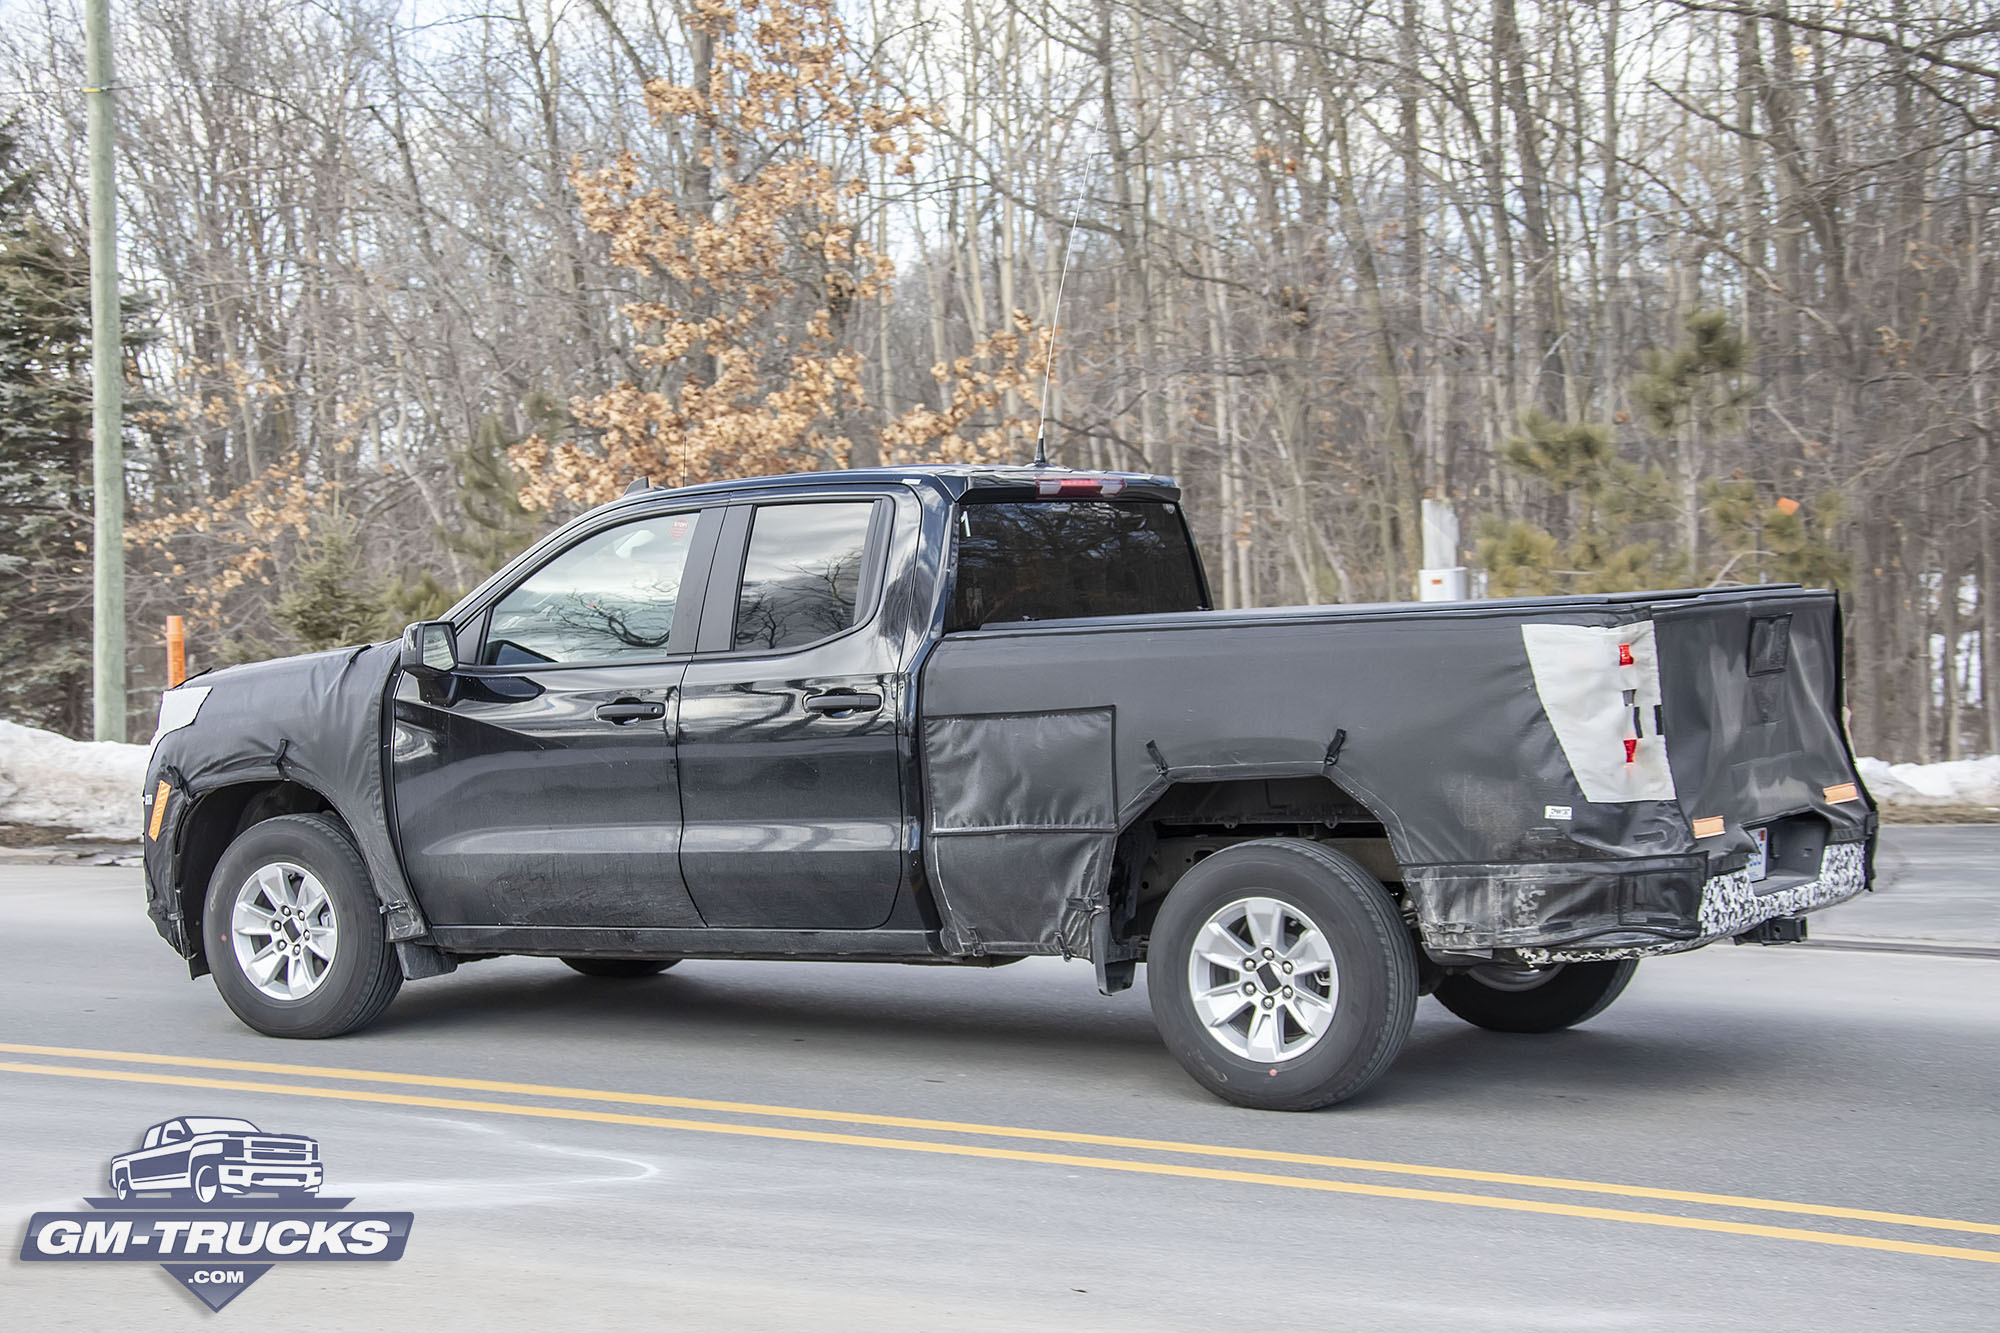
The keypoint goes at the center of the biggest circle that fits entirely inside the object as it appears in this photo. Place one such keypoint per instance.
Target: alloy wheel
(1263, 980)
(284, 931)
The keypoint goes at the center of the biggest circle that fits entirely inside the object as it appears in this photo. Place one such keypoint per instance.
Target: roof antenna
(1048, 367)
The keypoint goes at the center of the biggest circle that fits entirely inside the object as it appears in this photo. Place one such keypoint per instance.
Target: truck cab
(700, 710)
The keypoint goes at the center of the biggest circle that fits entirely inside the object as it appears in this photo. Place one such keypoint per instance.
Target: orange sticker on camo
(1845, 791)
(1708, 828)
(159, 812)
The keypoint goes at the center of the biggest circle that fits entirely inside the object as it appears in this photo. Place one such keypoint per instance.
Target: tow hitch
(1778, 930)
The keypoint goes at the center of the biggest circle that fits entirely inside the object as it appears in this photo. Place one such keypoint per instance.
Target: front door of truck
(536, 786)
(790, 754)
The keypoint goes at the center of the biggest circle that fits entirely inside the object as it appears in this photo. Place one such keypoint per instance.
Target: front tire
(1500, 998)
(1281, 975)
(294, 932)
(619, 967)
(207, 1189)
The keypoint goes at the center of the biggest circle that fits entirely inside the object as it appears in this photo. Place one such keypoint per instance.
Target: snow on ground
(51, 781)
(92, 787)
(1959, 782)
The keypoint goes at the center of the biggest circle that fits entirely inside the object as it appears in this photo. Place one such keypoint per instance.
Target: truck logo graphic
(218, 1203)
(208, 1157)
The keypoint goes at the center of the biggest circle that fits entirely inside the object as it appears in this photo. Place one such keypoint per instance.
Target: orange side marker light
(159, 812)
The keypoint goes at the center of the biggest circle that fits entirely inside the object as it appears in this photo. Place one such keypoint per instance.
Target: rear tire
(626, 968)
(309, 860)
(1327, 975)
(1503, 999)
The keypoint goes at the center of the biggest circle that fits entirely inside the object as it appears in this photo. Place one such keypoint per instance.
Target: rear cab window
(1063, 559)
(802, 574)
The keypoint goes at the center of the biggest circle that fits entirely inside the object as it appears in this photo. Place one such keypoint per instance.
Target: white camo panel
(1597, 704)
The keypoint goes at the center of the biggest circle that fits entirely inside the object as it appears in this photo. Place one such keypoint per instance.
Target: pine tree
(1691, 394)
(493, 525)
(496, 525)
(1775, 537)
(1614, 514)
(1700, 382)
(1606, 506)
(422, 598)
(327, 602)
(1696, 391)
(45, 574)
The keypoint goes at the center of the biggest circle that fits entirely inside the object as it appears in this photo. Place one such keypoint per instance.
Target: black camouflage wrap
(994, 810)
(1041, 742)
(316, 720)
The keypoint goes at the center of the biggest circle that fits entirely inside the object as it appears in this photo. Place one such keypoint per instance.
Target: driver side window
(609, 598)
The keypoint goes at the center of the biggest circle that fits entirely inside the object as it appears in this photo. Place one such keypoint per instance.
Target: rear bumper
(1583, 911)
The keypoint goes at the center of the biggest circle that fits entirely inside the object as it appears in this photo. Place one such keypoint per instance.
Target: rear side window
(801, 574)
(610, 597)
(1056, 559)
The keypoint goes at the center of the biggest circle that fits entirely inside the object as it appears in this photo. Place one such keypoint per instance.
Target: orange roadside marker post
(177, 658)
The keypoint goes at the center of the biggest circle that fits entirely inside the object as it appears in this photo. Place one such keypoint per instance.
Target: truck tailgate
(1750, 699)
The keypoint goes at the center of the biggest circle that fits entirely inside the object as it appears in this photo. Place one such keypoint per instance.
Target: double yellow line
(1173, 1151)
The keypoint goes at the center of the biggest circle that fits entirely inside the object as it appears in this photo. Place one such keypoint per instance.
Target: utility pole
(107, 389)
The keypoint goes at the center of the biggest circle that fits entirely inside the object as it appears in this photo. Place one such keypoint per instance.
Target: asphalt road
(1937, 884)
(1490, 1182)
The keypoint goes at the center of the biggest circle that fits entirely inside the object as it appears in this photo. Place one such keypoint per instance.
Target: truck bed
(1521, 814)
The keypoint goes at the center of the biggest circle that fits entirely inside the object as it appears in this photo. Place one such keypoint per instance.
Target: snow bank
(1959, 782)
(55, 782)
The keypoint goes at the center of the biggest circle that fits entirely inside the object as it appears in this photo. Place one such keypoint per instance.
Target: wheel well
(1191, 821)
(217, 820)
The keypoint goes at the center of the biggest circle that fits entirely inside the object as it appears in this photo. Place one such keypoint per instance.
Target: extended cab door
(537, 786)
(790, 752)
(164, 1159)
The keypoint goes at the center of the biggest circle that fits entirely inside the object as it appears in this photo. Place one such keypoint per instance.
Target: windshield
(1056, 559)
(208, 1124)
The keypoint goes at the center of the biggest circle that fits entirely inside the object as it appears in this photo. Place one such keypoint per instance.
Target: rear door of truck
(789, 746)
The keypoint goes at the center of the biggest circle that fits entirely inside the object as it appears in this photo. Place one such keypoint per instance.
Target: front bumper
(271, 1175)
(1586, 911)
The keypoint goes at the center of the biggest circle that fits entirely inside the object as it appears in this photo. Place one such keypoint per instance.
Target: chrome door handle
(630, 710)
(843, 703)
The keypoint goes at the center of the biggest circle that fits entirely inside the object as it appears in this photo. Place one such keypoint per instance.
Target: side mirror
(430, 648)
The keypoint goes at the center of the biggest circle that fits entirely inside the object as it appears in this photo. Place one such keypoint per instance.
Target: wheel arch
(216, 819)
(1188, 816)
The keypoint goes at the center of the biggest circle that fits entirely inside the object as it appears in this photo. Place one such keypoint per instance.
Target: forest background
(1658, 294)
